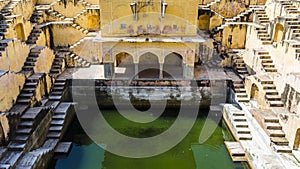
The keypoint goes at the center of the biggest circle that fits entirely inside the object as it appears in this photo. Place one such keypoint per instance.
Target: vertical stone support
(136, 70)
(161, 67)
(108, 70)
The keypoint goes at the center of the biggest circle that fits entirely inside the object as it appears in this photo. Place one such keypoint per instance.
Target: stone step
(243, 100)
(282, 149)
(21, 138)
(13, 145)
(273, 98)
(271, 92)
(25, 124)
(276, 104)
(23, 131)
(241, 124)
(273, 126)
(282, 141)
(54, 135)
(268, 65)
(243, 131)
(269, 87)
(238, 85)
(57, 122)
(239, 119)
(58, 88)
(57, 93)
(244, 136)
(238, 113)
(24, 101)
(240, 90)
(59, 117)
(55, 128)
(55, 98)
(275, 133)
(271, 120)
(26, 95)
(241, 95)
(60, 83)
(270, 69)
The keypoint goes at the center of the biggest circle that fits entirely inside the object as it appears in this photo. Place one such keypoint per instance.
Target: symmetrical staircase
(79, 61)
(28, 124)
(80, 28)
(58, 64)
(240, 91)
(240, 66)
(57, 90)
(263, 34)
(27, 94)
(209, 4)
(237, 119)
(266, 61)
(289, 8)
(272, 96)
(32, 58)
(274, 130)
(36, 16)
(58, 121)
(5, 22)
(33, 36)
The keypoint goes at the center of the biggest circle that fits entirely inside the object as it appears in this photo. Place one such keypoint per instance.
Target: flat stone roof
(194, 39)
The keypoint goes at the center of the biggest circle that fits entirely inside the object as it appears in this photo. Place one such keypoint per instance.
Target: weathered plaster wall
(89, 50)
(229, 9)
(44, 61)
(290, 124)
(234, 36)
(10, 87)
(180, 19)
(27, 27)
(90, 20)
(69, 9)
(64, 35)
(14, 57)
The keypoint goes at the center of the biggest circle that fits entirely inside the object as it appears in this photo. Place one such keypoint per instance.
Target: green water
(188, 154)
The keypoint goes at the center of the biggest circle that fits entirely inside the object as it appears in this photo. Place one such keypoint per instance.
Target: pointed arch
(278, 33)
(173, 66)
(148, 66)
(20, 32)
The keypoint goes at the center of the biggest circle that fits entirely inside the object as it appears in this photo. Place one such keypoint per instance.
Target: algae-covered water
(188, 154)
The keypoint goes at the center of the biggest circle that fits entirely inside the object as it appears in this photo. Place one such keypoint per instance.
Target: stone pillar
(161, 67)
(188, 72)
(108, 70)
(136, 70)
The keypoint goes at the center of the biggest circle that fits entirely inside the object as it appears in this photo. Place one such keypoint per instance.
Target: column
(136, 70)
(108, 70)
(161, 67)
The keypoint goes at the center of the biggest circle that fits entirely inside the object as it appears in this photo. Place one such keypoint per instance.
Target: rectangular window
(123, 26)
(175, 27)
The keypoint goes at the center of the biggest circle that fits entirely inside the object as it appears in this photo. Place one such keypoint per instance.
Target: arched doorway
(173, 66)
(297, 140)
(20, 32)
(148, 66)
(278, 33)
(93, 22)
(124, 64)
(254, 92)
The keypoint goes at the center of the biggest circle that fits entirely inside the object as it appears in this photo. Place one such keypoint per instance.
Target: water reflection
(188, 154)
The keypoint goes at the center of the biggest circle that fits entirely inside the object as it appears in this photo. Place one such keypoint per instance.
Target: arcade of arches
(149, 66)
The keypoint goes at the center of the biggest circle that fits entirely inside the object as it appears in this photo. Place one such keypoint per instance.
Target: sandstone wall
(14, 57)
(64, 35)
(10, 87)
(89, 50)
(44, 61)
